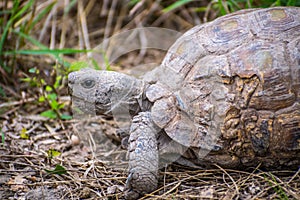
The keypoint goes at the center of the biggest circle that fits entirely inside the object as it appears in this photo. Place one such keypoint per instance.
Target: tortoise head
(103, 92)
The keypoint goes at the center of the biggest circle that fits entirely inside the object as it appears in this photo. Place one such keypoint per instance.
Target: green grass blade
(221, 7)
(278, 3)
(30, 39)
(249, 4)
(234, 4)
(175, 5)
(24, 9)
(69, 6)
(42, 14)
(96, 65)
(5, 12)
(15, 15)
(2, 136)
(45, 51)
(133, 2)
(4, 34)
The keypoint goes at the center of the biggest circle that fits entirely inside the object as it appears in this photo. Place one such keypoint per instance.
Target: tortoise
(226, 93)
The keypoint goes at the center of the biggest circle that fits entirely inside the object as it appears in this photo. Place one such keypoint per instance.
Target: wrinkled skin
(225, 94)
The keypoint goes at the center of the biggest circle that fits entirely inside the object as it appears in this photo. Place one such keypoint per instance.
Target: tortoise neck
(143, 101)
(133, 96)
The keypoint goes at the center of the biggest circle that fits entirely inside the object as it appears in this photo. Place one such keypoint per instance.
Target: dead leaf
(207, 192)
(17, 183)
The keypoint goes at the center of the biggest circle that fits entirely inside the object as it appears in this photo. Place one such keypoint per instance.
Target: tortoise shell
(235, 78)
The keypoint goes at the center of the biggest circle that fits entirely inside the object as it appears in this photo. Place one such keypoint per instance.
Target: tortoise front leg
(143, 156)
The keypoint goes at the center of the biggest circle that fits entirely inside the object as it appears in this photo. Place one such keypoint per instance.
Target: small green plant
(48, 94)
(75, 66)
(24, 135)
(58, 170)
(17, 23)
(18, 20)
(53, 153)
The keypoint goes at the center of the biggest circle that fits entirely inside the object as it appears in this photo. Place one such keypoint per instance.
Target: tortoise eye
(88, 83)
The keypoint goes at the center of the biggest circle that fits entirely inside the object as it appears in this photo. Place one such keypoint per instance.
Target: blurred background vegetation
(40, 39)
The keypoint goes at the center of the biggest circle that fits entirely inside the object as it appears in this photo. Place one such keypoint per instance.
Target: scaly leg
(143, 156)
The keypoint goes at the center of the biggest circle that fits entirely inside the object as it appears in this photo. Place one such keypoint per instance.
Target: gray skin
(227, 93)
(104, 92)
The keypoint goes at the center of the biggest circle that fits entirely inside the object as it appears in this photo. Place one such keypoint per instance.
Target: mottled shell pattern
(236, 78)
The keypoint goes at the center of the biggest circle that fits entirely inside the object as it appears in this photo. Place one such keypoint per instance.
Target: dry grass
(88, 176)
(84, 26)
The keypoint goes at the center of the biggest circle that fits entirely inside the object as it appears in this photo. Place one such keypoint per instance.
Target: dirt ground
(86, 169)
